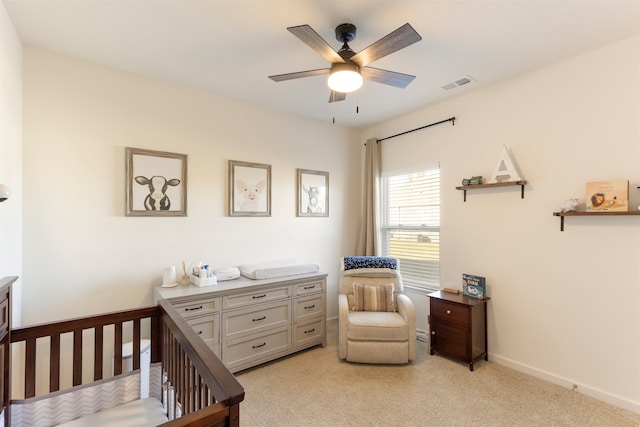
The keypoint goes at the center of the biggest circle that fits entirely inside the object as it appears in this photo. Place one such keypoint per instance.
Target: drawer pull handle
(193, 308)
(259, 345)
(309, 287)
(199, 332)
(310, 331)
(259, 296)
(433, 332)
(448, 311)
(260, 318)
(309, 306)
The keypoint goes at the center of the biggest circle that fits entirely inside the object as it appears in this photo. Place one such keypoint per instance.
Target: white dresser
(247, 322)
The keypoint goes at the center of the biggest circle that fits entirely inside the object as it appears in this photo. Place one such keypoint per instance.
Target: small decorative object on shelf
(608, 196)
(569, 205)
(506, 169)
(474, 180)
(473, 286)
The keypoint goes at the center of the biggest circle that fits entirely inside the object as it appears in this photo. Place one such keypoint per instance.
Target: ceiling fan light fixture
(345, 78)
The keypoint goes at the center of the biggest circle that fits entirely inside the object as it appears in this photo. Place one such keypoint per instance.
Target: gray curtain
(368, 237)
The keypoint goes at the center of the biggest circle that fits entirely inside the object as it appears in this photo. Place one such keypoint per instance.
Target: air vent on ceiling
(460, 82)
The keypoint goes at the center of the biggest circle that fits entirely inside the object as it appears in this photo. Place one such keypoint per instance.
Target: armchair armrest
(407, 310)
(343, 314)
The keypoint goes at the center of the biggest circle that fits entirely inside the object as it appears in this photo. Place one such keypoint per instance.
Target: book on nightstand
(473, 286)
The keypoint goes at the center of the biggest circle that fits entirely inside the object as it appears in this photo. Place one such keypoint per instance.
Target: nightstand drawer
(450, 311)
(449, 338)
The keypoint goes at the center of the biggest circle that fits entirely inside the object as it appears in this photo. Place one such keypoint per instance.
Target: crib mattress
(275, 269)
(138, 413)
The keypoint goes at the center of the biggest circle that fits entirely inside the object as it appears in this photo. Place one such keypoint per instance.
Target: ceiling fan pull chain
(333, 107)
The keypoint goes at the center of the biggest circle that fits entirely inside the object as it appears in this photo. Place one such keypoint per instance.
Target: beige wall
(82, 255)
(564, 304)
(11, 156)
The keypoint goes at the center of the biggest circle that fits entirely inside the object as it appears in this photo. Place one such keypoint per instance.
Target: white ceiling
(230, 46)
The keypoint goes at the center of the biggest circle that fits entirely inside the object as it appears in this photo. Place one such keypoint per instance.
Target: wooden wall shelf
(497, 184)
(563, 214)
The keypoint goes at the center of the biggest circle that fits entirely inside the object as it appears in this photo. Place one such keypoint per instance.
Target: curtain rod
(450, 119)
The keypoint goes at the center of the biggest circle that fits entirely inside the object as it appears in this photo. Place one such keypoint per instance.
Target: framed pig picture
(249, 189)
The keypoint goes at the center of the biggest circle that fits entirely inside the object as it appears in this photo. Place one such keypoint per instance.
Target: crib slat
(117, 348)
(136, 344)
(98, 353)
(30, 368)
(54, 367)
(77, 357)
(156, 340)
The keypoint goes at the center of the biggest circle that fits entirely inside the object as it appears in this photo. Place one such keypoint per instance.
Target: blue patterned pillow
(354, 262)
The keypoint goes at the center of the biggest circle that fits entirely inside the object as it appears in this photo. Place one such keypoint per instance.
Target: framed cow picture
(156, 183)
(313, 193)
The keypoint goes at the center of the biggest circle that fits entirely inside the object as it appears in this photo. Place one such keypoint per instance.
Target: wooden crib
(73, 372)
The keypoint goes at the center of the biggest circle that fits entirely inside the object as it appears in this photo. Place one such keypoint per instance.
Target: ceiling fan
(351, 66)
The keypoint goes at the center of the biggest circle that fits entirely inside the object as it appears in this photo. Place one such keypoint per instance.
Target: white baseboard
(567, 383)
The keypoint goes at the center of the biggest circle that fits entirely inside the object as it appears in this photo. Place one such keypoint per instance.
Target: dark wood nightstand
(458, 326)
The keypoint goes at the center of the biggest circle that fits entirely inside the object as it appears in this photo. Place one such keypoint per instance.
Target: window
(410, 225)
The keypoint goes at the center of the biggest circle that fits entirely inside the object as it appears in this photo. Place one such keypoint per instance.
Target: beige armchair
(377, 322)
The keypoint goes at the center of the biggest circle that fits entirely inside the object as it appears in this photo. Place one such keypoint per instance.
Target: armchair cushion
(377, 326)
(373, 297)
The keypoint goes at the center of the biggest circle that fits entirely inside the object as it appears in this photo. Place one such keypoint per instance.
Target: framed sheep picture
(249, 189)
(313, 193)
(156, 183)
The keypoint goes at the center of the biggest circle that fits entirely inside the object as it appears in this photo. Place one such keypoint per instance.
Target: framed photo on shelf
(156, 183)
(313, 193)
(249, 189)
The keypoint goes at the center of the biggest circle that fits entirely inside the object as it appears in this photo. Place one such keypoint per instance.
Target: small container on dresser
(458, 326)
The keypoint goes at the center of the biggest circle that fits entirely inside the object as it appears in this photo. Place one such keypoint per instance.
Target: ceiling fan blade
(299, 74)
(315, 42)
(392, 42)
(386, 77)
(337, 96)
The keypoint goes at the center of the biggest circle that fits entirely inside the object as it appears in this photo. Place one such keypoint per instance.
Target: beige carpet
(315, 388)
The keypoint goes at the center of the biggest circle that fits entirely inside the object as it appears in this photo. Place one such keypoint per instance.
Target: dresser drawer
(308, 307)
(308, 333)
(308, 288)
(241, 353)
(252, 320)
(258, 297)
(197, 307)
(206, 327)
(449, 311)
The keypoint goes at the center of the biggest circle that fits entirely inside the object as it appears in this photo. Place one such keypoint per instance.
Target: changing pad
(274, 269)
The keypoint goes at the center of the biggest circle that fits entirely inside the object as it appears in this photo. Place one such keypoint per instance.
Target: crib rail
(198, 377)
(203, 390)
